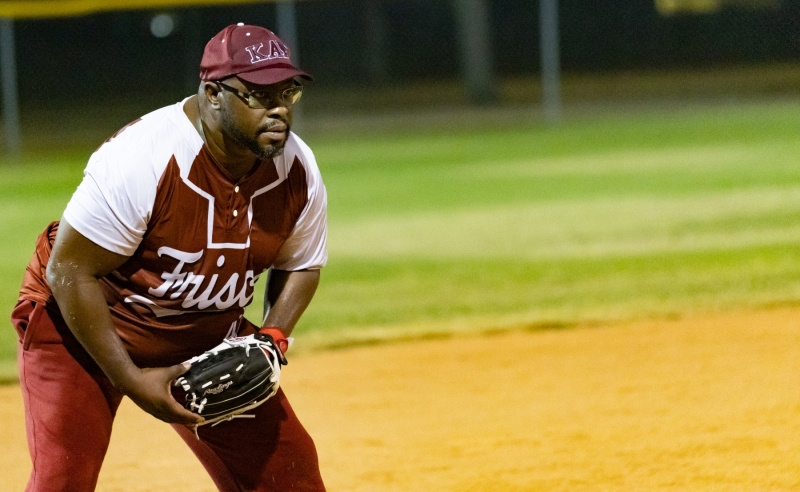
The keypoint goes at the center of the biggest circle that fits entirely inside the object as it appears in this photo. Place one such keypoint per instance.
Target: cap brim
(273, 75)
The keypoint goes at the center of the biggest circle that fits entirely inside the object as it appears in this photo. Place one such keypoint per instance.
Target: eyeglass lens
(261, 99)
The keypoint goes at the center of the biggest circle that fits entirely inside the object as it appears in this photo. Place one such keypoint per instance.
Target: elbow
(59, 277)
(53, 278)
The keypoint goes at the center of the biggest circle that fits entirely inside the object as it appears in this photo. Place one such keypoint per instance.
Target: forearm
(83, 307)
(288, 294)
(76, 264)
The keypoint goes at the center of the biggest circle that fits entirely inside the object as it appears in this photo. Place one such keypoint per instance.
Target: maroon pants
(70, 406)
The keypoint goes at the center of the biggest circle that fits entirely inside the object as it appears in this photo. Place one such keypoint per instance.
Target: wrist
(127, 380)
(280, 339)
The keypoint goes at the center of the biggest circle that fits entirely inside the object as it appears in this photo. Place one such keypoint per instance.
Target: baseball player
(153, 262)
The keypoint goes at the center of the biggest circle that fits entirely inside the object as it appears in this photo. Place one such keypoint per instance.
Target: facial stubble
(250, 142)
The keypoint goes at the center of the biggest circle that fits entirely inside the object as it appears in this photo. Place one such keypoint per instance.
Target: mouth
(275, 135)
(278, 131)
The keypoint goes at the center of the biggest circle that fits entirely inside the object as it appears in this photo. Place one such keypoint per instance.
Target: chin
(270, 152)
(269, 147)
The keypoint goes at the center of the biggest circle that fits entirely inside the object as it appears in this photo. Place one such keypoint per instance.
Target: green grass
(602, 217)
(487, 226)
(32, 194)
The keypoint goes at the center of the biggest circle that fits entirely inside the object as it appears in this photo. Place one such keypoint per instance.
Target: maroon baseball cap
(252, 53)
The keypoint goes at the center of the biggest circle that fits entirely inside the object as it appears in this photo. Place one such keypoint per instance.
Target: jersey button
(235, 213)
(236, 190)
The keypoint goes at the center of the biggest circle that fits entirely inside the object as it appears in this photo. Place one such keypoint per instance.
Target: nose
(280, 112)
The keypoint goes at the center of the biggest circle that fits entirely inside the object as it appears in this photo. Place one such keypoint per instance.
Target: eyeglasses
(263, 99)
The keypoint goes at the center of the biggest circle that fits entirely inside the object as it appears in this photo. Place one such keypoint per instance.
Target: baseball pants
(70, 407)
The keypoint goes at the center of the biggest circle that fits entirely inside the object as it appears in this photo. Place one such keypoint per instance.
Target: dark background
(114, 55)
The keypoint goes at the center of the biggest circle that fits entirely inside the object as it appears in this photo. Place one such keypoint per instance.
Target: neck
(236, 162)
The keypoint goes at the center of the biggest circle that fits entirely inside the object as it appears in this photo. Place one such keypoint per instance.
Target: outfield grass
(603, 217)
(488, 226)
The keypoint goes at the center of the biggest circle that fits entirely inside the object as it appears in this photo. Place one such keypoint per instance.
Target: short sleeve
(306, 247)
(112, 205)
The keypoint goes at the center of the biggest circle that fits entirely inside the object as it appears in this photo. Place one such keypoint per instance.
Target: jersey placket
(235, 209)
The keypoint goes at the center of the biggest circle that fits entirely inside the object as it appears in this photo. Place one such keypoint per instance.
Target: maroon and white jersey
(197, 239)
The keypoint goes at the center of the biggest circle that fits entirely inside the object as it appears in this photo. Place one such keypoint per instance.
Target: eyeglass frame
(247, 97)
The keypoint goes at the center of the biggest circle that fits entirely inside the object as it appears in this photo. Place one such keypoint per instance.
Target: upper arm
(74, 254)
(114, 201)
(307, 280)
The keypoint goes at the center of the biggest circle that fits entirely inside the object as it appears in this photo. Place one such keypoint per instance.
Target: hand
(151, 392)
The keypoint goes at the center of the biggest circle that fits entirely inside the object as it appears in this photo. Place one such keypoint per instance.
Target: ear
(211, 92)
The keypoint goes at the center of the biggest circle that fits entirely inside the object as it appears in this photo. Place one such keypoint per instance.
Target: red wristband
(277, 336)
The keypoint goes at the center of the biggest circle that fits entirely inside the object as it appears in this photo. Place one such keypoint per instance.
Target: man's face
(262, 131)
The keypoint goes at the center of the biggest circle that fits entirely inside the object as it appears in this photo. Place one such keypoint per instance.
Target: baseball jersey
(196, 239)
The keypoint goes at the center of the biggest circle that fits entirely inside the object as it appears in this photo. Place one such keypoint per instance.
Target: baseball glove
(231, 378)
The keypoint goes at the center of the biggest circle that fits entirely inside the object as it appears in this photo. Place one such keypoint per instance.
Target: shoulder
(151, 140)
(296, 145)
(298, 152)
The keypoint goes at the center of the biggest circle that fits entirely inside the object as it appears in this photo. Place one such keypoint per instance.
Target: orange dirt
(700, 403)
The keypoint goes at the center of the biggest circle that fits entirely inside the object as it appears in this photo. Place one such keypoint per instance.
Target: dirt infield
(700, 403)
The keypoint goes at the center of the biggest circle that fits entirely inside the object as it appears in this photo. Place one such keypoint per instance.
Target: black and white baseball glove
(235, 376)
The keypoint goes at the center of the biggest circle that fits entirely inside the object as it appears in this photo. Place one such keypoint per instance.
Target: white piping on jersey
(210, 244)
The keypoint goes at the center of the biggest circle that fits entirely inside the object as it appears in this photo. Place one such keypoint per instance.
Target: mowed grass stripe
(595, 228)
(393, 189)
(735, 157)
(696, 198)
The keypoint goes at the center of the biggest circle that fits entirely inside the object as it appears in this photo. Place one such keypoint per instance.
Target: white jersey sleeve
(306, 247)
(113, 204)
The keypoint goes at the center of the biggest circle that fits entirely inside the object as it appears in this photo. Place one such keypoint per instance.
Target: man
(154, 261)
